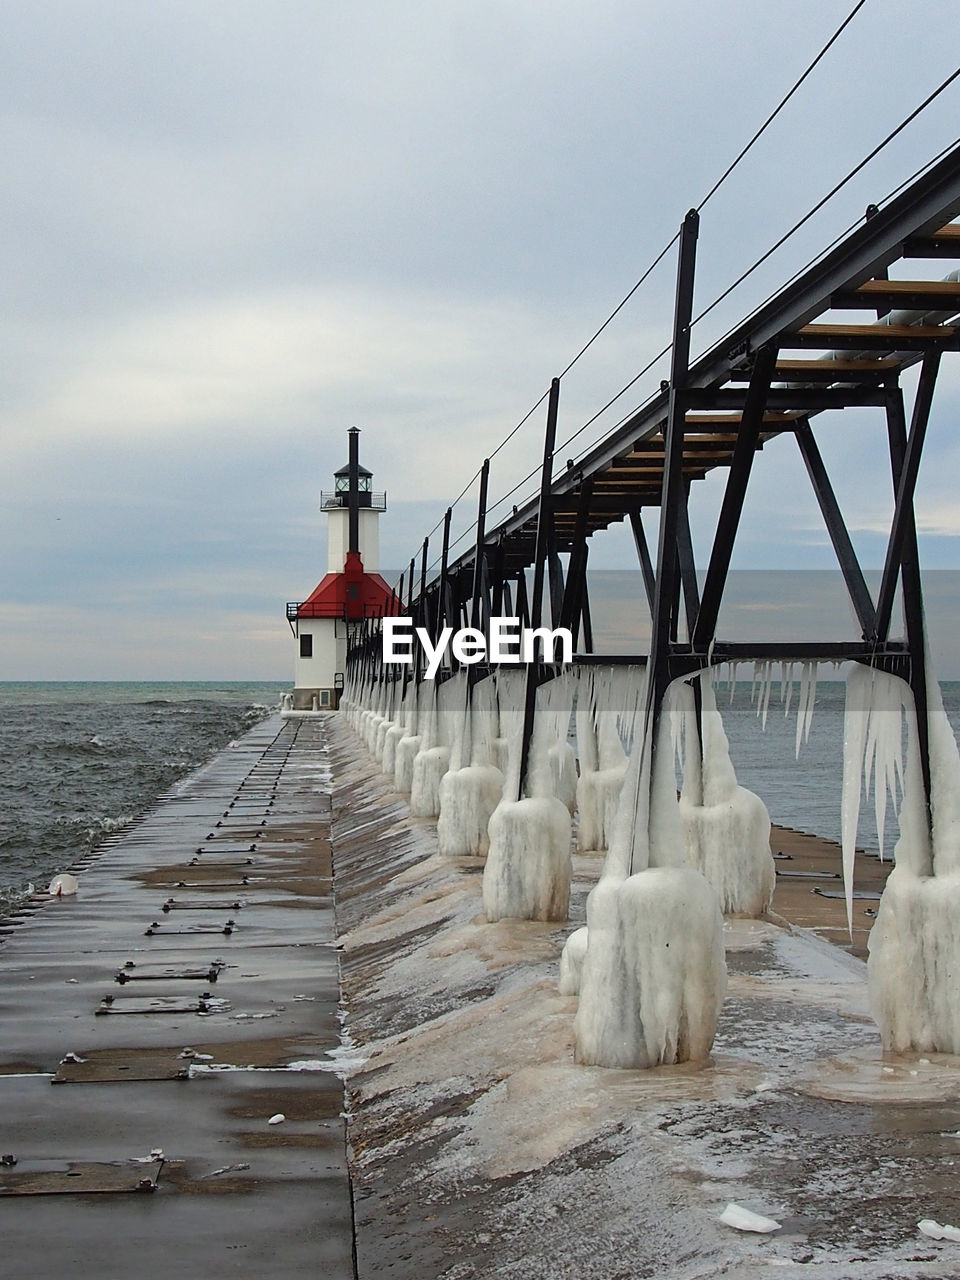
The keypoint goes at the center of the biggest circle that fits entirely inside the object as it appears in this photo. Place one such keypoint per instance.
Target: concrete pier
(186, 996)
(144, 1052)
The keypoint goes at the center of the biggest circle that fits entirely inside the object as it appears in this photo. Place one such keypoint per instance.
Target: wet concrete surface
(164, 1061)
(479, 1148)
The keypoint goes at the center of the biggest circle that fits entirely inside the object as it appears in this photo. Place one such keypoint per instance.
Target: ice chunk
(63, 885)
(734, 1215)
(927, 1227)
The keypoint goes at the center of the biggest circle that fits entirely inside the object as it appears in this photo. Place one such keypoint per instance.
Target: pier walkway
(144, 1052)
(152, 1028)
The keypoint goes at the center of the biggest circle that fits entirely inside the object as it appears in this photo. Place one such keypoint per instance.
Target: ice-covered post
(527, 874)
(653, 974)
(471, 790)
(915, 942)
(390, 722)
(544, 521)
(407, 710)
(726, 828)
(433, 759)
(411, 742)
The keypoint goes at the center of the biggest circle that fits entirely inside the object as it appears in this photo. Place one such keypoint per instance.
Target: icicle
(767, 684)
(801, 705)
(811, 700)
(786, 687)
(855, 718)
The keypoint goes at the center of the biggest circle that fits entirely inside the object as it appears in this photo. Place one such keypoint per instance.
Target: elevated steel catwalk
(844, 364)
(808, 351)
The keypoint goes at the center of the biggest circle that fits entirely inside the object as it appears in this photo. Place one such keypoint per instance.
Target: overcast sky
(231, 231)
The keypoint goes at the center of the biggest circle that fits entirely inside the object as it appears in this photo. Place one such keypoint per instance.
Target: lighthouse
(350, 592)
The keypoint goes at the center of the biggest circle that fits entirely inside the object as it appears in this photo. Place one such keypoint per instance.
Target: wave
(75, 773)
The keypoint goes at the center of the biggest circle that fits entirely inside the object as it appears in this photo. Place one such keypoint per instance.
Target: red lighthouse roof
(353, 594)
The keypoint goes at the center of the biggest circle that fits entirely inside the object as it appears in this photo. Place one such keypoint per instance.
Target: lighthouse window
(306, 646)
(353, 590)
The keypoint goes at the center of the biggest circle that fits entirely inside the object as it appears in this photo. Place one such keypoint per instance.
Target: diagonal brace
(833, 518)
(744, 452)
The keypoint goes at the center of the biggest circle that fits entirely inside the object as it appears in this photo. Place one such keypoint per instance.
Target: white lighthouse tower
(351, 591)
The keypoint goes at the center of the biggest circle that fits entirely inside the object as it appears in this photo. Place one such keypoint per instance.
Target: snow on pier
(480, 1147)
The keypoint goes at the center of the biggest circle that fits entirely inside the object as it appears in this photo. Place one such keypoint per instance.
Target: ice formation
(726, 828)
(606, 705)
(468, 798)
(562, 762)
(433, 759)
(393, 735)
(408, 744)
(472, 788)
(914, 946)
(388, 721)
(571, 962)
(527, 872)
(654, 974)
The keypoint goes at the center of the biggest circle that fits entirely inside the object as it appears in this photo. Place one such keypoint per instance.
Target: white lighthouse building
(351, 590)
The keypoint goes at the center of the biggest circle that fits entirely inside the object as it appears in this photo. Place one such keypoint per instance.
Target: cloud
(231, 232)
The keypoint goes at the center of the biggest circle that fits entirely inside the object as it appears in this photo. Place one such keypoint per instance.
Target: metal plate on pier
(200, 883)
(866, 894)
(809, 875)
(178, 904)
(116, 1066)
(245, 846)
(160, 1004)
(157, 930)
(59, 1178)
(132, 972)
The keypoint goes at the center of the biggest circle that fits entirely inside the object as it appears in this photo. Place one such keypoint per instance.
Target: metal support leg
(672, 488)
(544, 532)
(571, 612)
(688, 568)
(906, 486)
(912, 589)
(671, 497)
